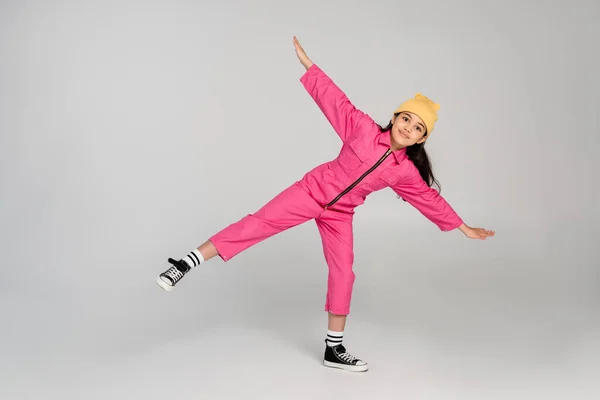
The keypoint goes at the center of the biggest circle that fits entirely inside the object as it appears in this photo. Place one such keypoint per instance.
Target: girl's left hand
(476, 233)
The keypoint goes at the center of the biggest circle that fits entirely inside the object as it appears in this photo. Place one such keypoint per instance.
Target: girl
(371, 158)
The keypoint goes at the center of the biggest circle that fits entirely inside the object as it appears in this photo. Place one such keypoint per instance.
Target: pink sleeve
(335, 105)
(428, 201)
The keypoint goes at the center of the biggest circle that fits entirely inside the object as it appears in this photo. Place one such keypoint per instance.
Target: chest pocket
(389, 177)
(353, 154)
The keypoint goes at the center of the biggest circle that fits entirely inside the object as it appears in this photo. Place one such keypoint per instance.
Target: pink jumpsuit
(330, 192)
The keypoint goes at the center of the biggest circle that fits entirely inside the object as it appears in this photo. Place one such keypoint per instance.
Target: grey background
(131, 131)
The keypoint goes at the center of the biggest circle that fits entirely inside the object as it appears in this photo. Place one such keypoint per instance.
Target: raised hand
(476, 233)
(306, 62)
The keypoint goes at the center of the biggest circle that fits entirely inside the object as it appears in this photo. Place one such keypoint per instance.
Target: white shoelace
(347, 357)
(174, 274)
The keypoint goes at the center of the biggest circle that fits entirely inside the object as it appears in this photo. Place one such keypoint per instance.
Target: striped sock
(194, 258)
(334, 338)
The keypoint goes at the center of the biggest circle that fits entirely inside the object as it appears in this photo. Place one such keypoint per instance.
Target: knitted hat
(424, 108)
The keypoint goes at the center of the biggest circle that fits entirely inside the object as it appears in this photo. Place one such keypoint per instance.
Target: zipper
(349, 188)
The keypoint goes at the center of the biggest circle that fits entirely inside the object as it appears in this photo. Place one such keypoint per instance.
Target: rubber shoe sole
(164, 285)
(353, 368)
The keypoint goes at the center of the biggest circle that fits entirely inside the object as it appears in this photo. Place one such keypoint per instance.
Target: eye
(419, 128)
(405, 119)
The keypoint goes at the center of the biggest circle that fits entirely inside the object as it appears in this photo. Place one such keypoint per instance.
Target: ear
(424, 138)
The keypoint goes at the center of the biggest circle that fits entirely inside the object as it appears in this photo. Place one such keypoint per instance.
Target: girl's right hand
(306, 62)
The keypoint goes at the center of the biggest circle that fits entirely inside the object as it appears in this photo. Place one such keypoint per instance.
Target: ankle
(334, 337)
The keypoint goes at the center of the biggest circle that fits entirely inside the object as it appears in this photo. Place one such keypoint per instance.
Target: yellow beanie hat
(424, 108)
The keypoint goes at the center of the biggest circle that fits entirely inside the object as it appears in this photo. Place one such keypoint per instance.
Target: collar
(399, 155)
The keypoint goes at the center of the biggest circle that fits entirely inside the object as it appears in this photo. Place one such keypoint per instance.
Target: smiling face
(407, 129)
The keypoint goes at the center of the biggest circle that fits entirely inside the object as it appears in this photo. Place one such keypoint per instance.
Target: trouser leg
(338, 247)
(292, 207)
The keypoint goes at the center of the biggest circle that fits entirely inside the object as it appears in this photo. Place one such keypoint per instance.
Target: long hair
(417, 154)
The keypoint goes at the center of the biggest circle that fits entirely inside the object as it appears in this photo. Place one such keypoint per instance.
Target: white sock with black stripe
(194, 258)
(334, 338)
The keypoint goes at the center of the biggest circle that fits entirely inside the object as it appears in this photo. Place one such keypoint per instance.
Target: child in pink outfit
(371, 158)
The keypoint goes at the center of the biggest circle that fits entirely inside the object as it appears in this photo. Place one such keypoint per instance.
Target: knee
(342, 276)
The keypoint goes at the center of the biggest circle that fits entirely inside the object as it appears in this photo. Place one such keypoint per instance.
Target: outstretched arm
(435, 208)
(333, 102)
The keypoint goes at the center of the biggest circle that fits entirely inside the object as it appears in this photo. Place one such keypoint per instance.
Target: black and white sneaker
(338, 357)
(168, 279)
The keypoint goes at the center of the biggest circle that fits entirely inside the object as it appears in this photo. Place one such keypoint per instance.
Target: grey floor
(438, 326)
